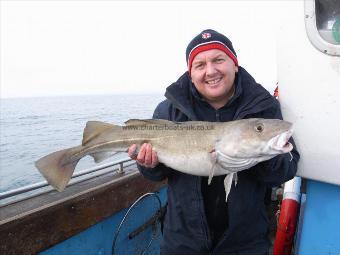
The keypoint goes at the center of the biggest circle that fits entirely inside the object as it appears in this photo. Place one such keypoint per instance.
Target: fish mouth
(281, 143)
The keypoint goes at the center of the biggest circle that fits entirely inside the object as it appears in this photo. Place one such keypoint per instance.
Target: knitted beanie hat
(209, 39)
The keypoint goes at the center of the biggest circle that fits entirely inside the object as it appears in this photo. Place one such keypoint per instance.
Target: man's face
(213, 74)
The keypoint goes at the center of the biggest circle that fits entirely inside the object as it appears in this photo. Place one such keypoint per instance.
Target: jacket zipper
(204, 222)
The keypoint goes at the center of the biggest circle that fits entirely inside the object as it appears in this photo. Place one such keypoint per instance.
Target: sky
(53, 48)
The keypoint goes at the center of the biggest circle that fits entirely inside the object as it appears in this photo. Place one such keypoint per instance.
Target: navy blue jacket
(186, 229)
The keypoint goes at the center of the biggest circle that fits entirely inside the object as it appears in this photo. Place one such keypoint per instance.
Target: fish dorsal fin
(93, 129)
(135, 122)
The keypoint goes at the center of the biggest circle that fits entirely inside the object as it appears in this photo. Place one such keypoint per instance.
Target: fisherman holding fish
(199, 220)
(220, 141)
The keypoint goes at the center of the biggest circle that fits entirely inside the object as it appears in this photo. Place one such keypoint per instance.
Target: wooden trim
(35, 224)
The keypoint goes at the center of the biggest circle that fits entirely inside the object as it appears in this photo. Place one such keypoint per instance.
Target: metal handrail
(42, 184)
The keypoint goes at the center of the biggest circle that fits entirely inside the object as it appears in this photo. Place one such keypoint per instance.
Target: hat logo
(206, 35)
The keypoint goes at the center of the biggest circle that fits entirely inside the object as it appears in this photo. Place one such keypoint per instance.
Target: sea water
(31, 128)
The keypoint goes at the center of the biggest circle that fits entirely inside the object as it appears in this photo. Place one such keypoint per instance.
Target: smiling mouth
(214, 81)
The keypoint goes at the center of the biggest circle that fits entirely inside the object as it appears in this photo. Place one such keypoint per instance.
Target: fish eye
(259, 128)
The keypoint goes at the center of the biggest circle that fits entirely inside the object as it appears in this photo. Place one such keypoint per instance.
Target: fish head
(254, 140)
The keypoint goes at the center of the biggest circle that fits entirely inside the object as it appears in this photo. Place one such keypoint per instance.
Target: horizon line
(80, 95)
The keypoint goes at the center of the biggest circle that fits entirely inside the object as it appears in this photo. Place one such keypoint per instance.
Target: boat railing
(101, 195)
(93, 172)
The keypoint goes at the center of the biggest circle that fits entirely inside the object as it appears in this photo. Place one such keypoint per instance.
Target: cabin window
(327, 13)
(322, 19)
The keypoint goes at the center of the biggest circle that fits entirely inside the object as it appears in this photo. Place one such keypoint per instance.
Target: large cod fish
(193, 147)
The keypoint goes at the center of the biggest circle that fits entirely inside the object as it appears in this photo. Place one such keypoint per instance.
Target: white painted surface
(292, 189)
(309, 83)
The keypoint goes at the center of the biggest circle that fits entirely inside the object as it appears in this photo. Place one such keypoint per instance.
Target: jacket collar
(182, 93)
(181, 97)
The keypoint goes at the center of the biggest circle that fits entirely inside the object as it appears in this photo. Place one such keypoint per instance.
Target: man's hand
(146, 156)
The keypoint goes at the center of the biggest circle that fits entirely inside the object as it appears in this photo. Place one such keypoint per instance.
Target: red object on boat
(276, 92)
(289, 214)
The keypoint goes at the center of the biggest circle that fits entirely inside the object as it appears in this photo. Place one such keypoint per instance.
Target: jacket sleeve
(280, 168)
(160, 172)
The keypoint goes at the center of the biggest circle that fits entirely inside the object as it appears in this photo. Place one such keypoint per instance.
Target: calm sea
(33, 127)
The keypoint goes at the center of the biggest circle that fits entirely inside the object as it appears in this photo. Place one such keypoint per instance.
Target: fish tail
(58, 167)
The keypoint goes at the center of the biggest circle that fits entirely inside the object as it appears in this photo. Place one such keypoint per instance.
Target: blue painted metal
(320, 232)
(97, 240)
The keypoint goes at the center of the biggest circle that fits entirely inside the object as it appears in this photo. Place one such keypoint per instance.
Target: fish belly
(199, 164)
(194, 164)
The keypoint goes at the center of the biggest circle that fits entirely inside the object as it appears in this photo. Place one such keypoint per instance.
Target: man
(198, 219)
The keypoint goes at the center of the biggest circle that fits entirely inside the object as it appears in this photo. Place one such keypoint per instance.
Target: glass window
(328, 20)
(322, 19)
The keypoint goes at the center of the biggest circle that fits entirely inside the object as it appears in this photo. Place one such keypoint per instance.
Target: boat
(308, 65)
(108, 209)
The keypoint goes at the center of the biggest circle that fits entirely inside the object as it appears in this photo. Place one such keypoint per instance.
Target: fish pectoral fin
(93, 129)
(212, 171)
(211, 174)
(228, 180)
(102, 155)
